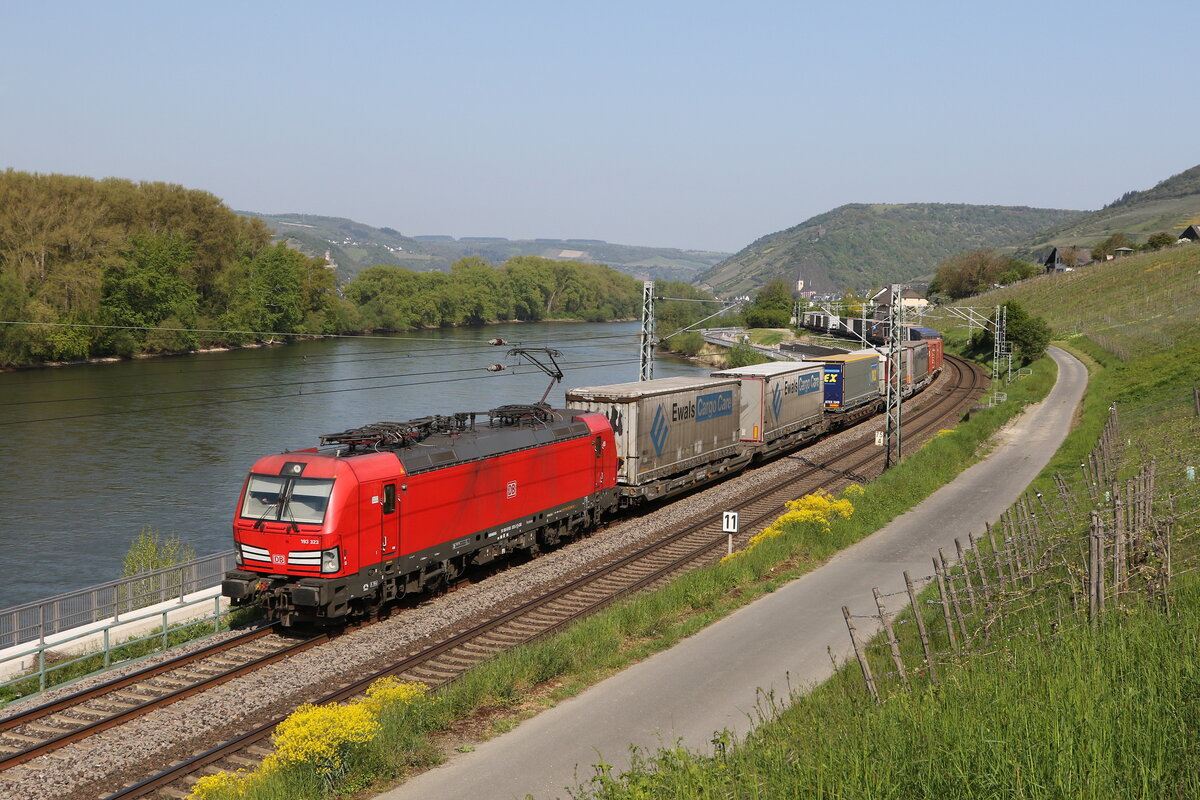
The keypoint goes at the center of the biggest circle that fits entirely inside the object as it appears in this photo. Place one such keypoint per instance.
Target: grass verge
(1056, 710)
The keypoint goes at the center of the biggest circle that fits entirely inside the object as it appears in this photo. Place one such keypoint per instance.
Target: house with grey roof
(1065, 259)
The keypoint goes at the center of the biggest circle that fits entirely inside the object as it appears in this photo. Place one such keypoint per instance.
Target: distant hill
(355, 246)
(1170, 206)
(863, 246)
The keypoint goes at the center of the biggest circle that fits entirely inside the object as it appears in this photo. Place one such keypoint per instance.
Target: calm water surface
(93, 454)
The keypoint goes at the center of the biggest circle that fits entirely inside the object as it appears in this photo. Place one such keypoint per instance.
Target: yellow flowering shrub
(223, 784)
(391, 691)
(318, 736)
(820, 508)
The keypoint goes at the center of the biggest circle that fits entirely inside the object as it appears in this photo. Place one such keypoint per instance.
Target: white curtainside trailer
(669, 426)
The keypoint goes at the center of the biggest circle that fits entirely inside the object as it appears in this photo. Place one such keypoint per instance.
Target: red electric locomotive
(393, 508)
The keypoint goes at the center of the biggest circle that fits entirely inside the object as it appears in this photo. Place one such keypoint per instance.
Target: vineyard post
(962, 559)
(891, 634)
(862, 657)
(941, 579)
(912, 599)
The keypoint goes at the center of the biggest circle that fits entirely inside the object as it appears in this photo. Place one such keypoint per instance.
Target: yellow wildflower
(223, 784)
(391, 691)
(320, 735)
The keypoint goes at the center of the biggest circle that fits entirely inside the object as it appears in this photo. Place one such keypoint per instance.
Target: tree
(267, 294)
(1158, 241)
(772, 306)
(853, 302)
(965, 274)
(776, 294)
(1107, 247)
(1029, 335)
(743, 355)
(148, 287)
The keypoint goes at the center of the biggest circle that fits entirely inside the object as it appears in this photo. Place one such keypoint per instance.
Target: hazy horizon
(697, 126)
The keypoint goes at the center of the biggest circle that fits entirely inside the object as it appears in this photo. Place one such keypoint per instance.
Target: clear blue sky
(682, 124)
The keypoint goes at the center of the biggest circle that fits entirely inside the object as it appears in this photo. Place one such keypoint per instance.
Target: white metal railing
(43, 618)
(105, 643)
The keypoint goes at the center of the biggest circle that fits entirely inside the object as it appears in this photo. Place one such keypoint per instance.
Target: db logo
(512, 488)
(277, 559)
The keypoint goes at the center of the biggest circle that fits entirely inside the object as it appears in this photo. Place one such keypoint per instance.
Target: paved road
(715, 679)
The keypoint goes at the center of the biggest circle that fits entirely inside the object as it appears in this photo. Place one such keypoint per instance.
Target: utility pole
(895, 381)
(1001, 347)
(647, 357)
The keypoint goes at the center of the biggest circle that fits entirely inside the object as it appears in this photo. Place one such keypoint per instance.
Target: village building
(1065, 259)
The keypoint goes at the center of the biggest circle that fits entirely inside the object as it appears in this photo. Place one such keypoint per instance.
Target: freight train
(393, 508)
(857, 328)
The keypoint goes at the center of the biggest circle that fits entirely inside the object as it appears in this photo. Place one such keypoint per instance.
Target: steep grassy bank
(1048, 706)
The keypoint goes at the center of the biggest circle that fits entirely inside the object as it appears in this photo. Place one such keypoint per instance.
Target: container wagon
(850, 380)
(936, 355)
(782, 403)
(671, 434)
(916, 363)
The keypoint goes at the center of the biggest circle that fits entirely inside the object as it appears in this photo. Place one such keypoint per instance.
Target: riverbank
(300, 337)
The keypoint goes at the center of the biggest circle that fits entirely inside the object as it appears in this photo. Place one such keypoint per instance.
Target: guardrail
(43, 618)
(728, 337)
(31, 669)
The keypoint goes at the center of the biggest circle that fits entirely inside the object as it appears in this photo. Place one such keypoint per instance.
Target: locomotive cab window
(389, 498)
(275, 498)
(599, 446)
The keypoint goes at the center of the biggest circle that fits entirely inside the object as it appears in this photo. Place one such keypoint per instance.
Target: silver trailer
(667, 426)
(778, 398)
(916, 362)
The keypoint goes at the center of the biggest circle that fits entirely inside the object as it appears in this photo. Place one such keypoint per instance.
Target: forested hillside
(355, 247)
(143, 259)
(862, 246)
(115, 268)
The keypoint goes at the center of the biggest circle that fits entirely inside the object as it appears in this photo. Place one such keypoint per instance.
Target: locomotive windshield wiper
(258, 523)
(287, 502)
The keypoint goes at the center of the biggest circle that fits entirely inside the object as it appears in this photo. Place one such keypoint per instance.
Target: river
(92, 454)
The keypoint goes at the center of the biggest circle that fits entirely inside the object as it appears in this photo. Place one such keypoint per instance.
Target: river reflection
(92, 454)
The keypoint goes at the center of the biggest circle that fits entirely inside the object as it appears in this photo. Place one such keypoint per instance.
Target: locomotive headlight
(237, 555)
(330, 561)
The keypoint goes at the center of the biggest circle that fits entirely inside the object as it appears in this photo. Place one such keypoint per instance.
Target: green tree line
(524, 288)
(139, 261)
(116, 268)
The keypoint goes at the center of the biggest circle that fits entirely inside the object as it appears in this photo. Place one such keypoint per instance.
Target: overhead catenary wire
(455, 347)
(273, 384)
(231, 401)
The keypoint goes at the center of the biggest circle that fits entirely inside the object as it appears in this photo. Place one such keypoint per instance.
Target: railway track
(47, 727)
(40, 730)
(697, 543)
